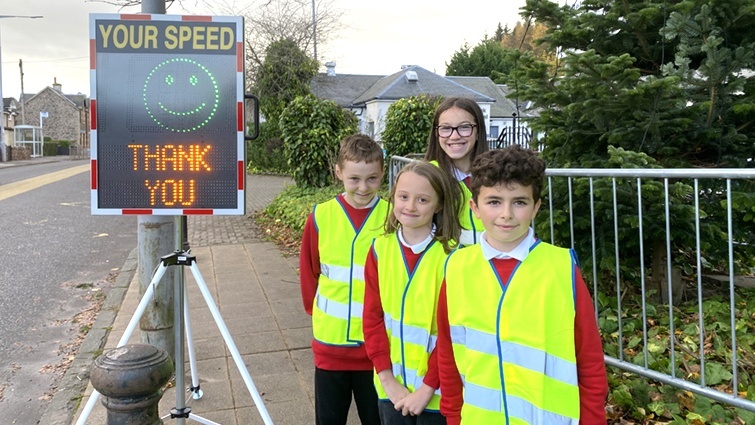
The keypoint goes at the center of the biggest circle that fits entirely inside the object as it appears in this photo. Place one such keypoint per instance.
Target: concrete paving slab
(300, 338)
(242, 308)
(208, 348)
(244, 295)
(290, 314)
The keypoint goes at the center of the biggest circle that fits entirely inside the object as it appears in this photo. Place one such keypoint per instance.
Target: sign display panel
(167, 114)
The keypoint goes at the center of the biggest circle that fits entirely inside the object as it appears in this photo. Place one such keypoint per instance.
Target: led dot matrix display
(167, 117)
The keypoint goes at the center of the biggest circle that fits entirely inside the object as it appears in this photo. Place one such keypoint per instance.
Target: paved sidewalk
(257, 293)
(39, 160)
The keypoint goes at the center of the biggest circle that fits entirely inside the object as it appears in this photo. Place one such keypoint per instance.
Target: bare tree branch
(268, 21)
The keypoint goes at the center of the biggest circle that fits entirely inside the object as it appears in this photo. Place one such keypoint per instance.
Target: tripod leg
(230, 344)
(201, 420)
(127, 335)
(196, 392)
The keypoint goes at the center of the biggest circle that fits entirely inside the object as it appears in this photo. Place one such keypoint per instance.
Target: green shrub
(407, 125)
(266, 153)
(49, 148)
(312, 129)
(292, 206)
(284, 75)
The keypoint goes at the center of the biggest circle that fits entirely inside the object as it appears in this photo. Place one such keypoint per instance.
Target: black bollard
(131, 379)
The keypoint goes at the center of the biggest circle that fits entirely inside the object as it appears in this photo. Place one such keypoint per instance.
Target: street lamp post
(42, 114)
(3, 149)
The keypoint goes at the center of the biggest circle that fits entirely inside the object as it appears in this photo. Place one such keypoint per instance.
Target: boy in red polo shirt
(517, 337)
(336, 238)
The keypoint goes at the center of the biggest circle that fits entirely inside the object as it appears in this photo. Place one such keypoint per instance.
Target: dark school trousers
(333, 391)
(390, 416)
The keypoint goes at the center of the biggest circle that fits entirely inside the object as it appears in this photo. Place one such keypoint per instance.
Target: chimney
(57, 86)
(330, 68)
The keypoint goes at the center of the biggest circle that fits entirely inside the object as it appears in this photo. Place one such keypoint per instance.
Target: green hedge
(50, 148)
(292, 206)
(312, 131)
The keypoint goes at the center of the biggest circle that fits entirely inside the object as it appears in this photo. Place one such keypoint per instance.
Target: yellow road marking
(19, 187)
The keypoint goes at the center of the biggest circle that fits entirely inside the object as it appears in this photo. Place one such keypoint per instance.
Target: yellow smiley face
(181, 95)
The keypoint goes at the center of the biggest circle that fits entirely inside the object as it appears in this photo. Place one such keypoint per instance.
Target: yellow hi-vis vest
(338, 304)
(471, 226)
(513, 342)
(410, 309)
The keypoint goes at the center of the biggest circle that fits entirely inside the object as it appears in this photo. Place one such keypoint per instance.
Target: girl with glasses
(456, 139)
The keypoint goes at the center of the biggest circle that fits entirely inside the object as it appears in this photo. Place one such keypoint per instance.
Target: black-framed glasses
(464, 130)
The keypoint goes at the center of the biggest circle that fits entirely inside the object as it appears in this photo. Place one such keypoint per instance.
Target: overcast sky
(378, 36)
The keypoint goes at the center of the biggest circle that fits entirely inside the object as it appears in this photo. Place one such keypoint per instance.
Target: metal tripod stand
(181, 412)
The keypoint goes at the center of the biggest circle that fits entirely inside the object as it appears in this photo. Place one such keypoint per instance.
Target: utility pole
(314, 28)
(21, 67)
(156, 237)
(153, 6)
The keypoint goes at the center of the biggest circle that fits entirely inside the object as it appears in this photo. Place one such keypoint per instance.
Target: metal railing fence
(78, 152)
(656, 234)
(519, 135)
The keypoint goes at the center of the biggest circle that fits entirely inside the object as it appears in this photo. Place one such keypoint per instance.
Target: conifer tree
(672, 79)
(638, 82)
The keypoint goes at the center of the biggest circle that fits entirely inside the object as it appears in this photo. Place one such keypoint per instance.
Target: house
(369, 97)
(63, 116)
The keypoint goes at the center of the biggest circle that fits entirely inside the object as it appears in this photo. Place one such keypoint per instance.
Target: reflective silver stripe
(459, 335)
(433, 342)
(339, 310)
(489, 399)
(411, 377)
(520, 355)
(412, 334)
(468, 237)
(342, 274)
(538, 360)
(484, 398)
(416, 336)
(522, 409)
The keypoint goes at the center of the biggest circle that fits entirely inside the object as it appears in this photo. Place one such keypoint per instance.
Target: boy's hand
(395, 391)
(414, 404)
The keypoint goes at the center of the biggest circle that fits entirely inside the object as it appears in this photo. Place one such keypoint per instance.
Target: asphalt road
(54, 258)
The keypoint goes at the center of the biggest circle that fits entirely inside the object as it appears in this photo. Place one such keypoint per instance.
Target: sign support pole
(154, 234)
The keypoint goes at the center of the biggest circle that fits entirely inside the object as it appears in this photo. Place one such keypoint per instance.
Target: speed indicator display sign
(167, 114)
